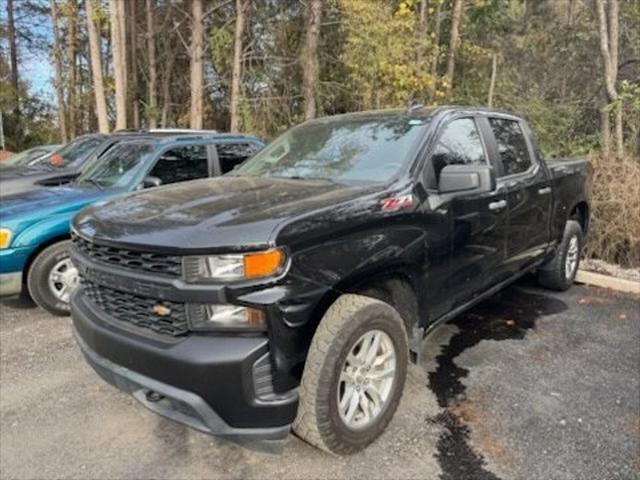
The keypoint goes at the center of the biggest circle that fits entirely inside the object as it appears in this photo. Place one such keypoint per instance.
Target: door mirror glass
(467, 178)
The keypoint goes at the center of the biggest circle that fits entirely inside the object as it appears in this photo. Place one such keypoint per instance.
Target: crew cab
(34, 225)
(293, 291)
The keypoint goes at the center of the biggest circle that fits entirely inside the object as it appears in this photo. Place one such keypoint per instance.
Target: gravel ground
(528, 385)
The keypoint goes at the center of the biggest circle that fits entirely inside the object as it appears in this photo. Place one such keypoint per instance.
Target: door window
(512, 145)
(233, 154)
(181, 164)
(459, 144)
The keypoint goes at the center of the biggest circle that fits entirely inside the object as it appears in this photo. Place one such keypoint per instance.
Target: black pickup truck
(292, 292)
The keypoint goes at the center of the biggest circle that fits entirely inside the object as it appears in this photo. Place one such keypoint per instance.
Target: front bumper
(12, 262)
(206, 382)
(10, 283)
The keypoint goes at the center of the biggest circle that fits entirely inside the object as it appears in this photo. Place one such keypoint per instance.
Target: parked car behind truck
(34, 226)
(291, 292)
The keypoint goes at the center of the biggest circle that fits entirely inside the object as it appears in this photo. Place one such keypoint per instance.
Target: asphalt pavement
(528, 385)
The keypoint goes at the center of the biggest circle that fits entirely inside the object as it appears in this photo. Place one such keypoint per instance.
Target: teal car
(34, 226)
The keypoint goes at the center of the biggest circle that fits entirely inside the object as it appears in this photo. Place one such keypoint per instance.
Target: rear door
(230, 154)
(181, 163)
(527, 186)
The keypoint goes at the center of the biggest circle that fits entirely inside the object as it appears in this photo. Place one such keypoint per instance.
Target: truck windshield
(347, 150)
(74, 153)
(118, 167)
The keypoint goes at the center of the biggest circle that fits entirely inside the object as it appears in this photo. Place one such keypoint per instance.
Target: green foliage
(380, 53)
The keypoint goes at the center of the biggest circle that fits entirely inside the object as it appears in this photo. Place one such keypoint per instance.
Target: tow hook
(153, 397)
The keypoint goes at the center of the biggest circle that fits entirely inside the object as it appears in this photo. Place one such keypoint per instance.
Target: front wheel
(354, 375)
(560, 272)
(52, 277)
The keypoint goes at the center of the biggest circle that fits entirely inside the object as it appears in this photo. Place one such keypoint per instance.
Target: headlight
(223, 317)
(233, 267)
(5, 237)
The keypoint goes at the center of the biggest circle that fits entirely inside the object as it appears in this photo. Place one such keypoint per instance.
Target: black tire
(318, 420)
(38, 278)
(553, 274)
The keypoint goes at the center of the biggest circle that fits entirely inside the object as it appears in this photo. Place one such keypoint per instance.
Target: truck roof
(416, 111)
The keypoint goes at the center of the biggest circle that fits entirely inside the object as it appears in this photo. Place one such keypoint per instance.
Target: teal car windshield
(119, 167)
(349, 150)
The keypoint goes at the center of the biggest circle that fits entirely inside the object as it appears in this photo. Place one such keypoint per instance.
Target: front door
(470, 253)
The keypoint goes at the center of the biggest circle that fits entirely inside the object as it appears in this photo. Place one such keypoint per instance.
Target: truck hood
(224, 213)
(44, 202)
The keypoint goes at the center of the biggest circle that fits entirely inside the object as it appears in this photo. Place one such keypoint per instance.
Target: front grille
(139, 311)
(170, 265)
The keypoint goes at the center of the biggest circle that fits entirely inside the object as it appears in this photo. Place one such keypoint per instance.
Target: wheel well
(580, 212)
(37, 251)
(398, 291)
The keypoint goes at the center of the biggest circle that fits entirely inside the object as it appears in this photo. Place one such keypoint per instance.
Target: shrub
(615, 212)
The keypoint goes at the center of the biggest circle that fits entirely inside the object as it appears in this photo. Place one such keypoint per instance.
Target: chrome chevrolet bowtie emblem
(161, 310)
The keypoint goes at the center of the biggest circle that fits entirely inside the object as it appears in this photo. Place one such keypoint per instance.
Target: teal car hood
(36, 204)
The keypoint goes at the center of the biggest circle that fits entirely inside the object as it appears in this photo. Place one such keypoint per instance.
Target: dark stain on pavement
(506, 316)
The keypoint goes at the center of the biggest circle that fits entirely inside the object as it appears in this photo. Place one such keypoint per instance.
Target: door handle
(544, 190)
(499, 205)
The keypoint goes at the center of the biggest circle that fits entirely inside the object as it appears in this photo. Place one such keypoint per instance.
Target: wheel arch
(41, 247)
(581, 213)
(397, 286)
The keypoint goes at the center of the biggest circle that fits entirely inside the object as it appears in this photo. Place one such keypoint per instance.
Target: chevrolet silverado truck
(34, 225)
(292, 292)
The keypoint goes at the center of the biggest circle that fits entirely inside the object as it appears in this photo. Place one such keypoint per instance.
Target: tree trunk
(133, 65)
(242, 6)
(436, 56)
(72, 48)
(492, 84)
(13, 54)
(310, 64)
(421, 35)
(166, 90)
(456, 16)
(609, 30)
(119, 61)
(59, 83)
(197, 66)
(153, 71)
(96, 68)
(605, 128)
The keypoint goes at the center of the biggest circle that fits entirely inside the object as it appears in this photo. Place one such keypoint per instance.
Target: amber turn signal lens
(5, 237)
(263, 264)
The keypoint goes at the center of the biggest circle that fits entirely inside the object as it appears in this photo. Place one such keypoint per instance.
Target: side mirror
(467, 178)
(150, 182)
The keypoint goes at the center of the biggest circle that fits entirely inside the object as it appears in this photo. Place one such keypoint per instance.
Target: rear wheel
(52, 278)
(560, 272)
(354, 375)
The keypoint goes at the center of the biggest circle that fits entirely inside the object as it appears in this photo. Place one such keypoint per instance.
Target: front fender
(39, 232)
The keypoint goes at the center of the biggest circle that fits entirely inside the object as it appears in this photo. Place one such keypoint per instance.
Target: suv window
(181, 164)
(232, 154)
(459, 144)
(512, 145)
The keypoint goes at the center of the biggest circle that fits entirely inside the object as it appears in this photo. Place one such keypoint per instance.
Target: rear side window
(181, 164)
(459, 144)
(512, 145)
(233, 154)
